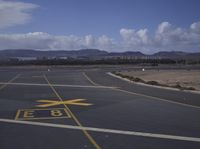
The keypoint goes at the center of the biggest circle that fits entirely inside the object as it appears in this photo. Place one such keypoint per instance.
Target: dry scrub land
(183, 79)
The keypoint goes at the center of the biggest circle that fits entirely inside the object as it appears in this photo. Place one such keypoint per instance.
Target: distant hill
(127, 53)
(11, 53)
(176, 55)
(170, 54)
(92, 53)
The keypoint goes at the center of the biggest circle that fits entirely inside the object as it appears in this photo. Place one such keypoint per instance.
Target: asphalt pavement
(85, 108)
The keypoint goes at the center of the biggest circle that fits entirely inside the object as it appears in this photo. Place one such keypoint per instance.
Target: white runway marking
(92, 82)
(6, 83)
(103, 130)
(58, 85)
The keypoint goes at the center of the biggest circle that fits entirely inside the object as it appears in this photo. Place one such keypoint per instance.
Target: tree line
(153, 62)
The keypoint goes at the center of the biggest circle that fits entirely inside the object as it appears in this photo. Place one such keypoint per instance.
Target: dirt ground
(186, 78)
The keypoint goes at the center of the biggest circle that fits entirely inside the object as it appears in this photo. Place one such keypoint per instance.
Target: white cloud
(132, 37)
(45, 41)
(89, 41)
(163, 27)
(166, 37)
(105, 42)
(195, 27)
(13, 13)
(176, 38)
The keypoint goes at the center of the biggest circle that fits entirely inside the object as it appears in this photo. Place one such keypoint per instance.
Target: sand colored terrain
(186, 78)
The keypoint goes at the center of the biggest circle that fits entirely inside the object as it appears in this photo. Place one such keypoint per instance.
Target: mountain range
(92, 53)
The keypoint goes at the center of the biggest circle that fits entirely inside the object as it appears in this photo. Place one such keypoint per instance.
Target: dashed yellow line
(90, 138)
(7, 83)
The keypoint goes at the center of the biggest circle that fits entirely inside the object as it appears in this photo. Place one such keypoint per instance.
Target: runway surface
(85, 108)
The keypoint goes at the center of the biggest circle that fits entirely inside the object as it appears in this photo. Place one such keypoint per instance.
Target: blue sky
(111, 25)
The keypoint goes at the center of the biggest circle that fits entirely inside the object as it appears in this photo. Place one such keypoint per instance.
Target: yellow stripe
(42, 109)
(45, 118)
(48, 101)
(17, 115)
(80, 104)
(3, 86)
(69, 102)
(66, 101)
(74, 117)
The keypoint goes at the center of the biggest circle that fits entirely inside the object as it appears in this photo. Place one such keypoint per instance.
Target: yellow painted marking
(90, 138)
(43, 109)
(69, 102)
(30, 114)
(56, 113)
(17, 115)
(4, 85)
(41, 118)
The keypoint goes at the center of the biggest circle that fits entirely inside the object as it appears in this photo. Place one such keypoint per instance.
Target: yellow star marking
(66, 102)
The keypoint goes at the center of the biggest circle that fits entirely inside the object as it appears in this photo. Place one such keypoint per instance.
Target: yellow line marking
(20, 110)
(17, 115)
(69, 102)
(105, 130)
(42, 109)
(7, 83)
(92, 82)
(74, 117)
(20, 119)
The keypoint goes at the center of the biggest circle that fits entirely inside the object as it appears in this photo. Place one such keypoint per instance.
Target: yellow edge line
(74, 117)
(42, 109)
(17, 115)
(41, 118)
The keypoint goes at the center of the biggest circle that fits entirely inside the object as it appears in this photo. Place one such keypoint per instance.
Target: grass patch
(183, 87)
(138, 80)
(153, 83)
